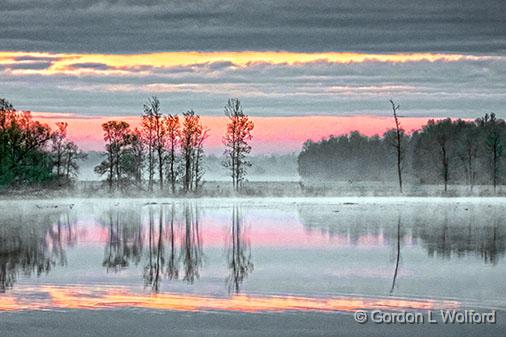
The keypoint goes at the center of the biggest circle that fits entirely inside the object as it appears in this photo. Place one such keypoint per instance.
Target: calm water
(250, 255)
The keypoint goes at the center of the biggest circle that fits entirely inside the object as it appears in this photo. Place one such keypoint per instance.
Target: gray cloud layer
(457, 89)
(320, 25)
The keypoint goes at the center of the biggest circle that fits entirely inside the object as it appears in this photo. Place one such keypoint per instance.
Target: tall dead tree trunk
(398, 145)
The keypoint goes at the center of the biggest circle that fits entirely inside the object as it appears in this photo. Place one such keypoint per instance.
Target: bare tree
(173, 130)
(236, 139)
(149, 139)
(117, 138)
(436, 148)
(398, 144)
(493, 144)
(187, 147)
(72, 155)
(160, 137)
(134, 157)
(65, 154)
(155, 133)
(200, 138)
(58, 143)
(443, 139)
(469, 145)
(193, 135)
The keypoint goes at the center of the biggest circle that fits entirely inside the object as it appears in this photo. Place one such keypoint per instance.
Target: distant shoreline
(261, 189)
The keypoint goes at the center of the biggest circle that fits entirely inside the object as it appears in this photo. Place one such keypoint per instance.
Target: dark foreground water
(250, 257)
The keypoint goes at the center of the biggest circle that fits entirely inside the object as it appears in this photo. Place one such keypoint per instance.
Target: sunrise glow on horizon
(271, 134)
(271, 82)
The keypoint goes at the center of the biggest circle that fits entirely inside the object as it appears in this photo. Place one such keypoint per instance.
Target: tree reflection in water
(172, 265)
(152, 268)
(458, 236)
(191, 253)
(397, 255)
(33, 244)
(444, 232)
(124, 239)
(238, 253)
(162, 260)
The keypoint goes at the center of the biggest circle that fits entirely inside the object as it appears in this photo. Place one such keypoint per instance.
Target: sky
(311, 68)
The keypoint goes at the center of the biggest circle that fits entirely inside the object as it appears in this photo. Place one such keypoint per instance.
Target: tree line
(33, 153)
(442, 152)
(166, 152)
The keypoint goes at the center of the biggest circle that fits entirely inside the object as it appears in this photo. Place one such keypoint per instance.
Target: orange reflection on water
(85, 297)
(8, 303)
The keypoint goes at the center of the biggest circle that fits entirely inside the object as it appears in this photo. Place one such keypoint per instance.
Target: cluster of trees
(139, 155)
(165, 150)
(443, 152)
(461, 151)
(32, 153)
(168, 150)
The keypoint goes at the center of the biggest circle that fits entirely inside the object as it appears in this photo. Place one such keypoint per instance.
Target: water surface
(326, 254)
